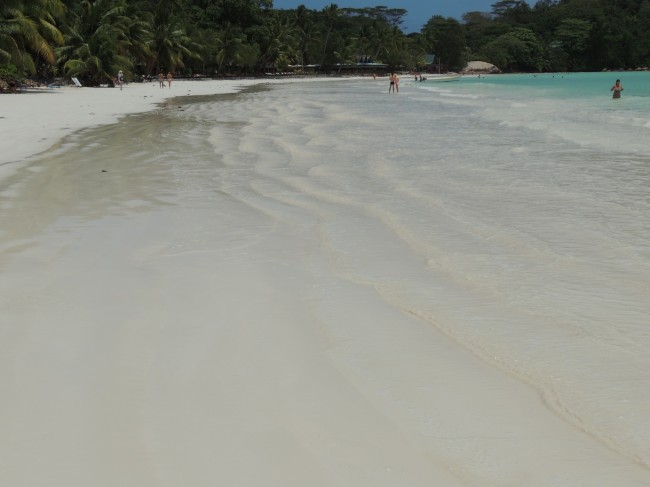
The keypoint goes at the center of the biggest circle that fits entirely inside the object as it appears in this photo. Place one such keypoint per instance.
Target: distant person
(169, 78)
(120, 78)
(161, 80)
(393, 87)
(616, 89)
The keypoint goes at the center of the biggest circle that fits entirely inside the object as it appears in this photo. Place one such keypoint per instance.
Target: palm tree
(307, 34)
(331, 15)
(28, 32)
(247, 57)
(229, 43)
(395, 47)
(169, 44)
(138, 35)
(363, 40)
(276, 40)
(96, 43)
(346, 55)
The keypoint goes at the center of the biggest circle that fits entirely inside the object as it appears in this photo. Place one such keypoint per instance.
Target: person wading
(616, 89)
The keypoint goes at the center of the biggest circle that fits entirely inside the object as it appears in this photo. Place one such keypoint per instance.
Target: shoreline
(34, 121)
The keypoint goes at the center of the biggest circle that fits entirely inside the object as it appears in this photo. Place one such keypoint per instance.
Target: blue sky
(419, 11)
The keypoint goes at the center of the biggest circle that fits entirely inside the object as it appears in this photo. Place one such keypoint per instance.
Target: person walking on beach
(169, 78)
(120, 78)
(161, 80)
(616, 89)
(394, 84)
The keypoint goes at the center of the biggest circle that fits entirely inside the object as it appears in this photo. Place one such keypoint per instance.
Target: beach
(290, 283)
(36, 119)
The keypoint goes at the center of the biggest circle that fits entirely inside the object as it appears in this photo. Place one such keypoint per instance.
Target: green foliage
(518, 50)
(9, 73)
(572, 36)
(168, 44)
(568, 34)
(10, 80)
(28, 33)
(93, 39)
(276, 40)
(516, 12)
(96, 44)
(445, 38)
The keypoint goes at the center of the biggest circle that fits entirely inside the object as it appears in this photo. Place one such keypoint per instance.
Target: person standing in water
(169, 79)
(616, 89)
(394, 83)
(161, 79)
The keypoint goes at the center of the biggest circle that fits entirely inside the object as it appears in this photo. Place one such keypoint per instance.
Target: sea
(510, 213)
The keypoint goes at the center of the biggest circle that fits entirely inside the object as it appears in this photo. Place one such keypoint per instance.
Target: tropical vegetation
(93, 39)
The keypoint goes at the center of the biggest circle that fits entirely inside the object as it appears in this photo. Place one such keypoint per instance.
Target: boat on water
(440, 77)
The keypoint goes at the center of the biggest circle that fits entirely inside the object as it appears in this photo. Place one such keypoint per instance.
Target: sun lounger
(76, 82)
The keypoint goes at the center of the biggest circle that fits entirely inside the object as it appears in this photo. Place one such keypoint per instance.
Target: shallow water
(510, 213)
(513, 218)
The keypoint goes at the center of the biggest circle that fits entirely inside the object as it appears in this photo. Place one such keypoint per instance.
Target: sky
(419, 11)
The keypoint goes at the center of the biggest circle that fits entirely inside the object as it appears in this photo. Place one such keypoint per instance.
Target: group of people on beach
(393, 86)
(119, 80)
(161, 79)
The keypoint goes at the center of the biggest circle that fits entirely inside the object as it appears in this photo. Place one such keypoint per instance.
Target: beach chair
(76, 82)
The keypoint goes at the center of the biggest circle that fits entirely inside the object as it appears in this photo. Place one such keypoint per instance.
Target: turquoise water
(577, 107)
(572, 85)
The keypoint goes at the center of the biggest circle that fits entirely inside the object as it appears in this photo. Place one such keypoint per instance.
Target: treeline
(93, 39)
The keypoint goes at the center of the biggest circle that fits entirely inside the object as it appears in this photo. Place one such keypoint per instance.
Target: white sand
(33, 121)
(209, 346)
